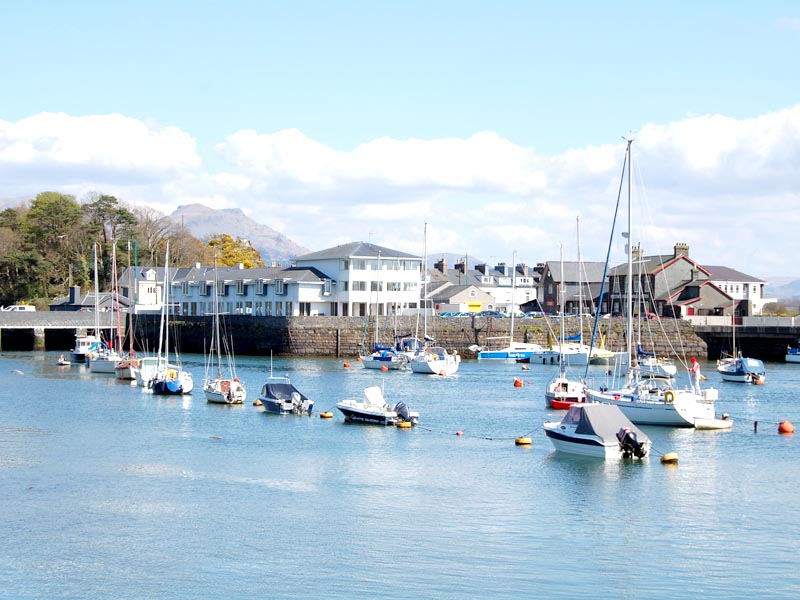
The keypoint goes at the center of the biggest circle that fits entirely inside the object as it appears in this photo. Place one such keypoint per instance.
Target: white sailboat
(562, 392)
(126, 368)
(433, 359)
(168, 378)
(101, 358)
(221, 389)
(652, 401)
(737, 368)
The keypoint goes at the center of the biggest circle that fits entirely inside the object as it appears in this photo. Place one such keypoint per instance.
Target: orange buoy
(326, 415)
(522, 441)
(347, 365)
(384, 368)
(403, 424)
(785, 427)
(458, 433)
(517, 382)
(670, 458)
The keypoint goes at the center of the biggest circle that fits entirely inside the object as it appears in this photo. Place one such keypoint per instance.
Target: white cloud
(727, 187)
(788, 23)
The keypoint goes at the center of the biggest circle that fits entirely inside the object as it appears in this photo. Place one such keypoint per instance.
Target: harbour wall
(342, 336)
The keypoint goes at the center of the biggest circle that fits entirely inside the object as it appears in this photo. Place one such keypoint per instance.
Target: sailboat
(168, 378)
(228, 389)
(382, 357)
(126, 368)
(103, 359)
(738, 369)
(562, 392)
(433, 359)
(515, 351)
(655, 400)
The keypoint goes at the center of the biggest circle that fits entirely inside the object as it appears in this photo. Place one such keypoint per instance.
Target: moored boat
(597, 430)
(373, 409)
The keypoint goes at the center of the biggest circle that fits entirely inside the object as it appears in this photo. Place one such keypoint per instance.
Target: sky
(480, 128)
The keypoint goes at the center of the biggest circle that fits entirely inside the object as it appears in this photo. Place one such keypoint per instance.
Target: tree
(22, 276)
(152, 230)
(108, 218)
(230, 252)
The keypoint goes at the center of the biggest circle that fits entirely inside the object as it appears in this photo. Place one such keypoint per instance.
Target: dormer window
(261, 287)
(280, 287)
(241, 288)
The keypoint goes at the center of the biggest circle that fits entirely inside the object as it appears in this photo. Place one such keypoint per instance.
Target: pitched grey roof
(355, 250)
(718, 273)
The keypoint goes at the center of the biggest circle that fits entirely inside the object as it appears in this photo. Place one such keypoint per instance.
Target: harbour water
(111, 492)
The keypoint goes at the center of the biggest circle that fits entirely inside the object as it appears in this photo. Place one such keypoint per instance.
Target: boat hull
(434, 364)
(355, 415)
(680, 412)
(104, 364)
(224, 391)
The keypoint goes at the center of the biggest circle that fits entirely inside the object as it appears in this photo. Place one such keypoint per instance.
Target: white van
(19, 307)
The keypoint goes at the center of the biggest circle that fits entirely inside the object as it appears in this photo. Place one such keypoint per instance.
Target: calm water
(110, 492)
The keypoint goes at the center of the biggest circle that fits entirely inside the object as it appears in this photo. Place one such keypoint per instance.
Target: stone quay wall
(342, 336)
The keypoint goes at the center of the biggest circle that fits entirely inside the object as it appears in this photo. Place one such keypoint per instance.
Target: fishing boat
(223, 388)
(168, 379)
(372, 409)
(597, 430)
(793, 353)
(82, 344)
(653, 400)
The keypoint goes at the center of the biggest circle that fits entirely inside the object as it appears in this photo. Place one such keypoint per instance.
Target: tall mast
(216, 321)
(513, 288)
(629, 281)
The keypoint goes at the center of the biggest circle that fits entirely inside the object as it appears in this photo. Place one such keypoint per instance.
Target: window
(326, 287)
(345, 264)
(359, 264)
(221, 289)
(289, 309)
(473, 293)
(280, 287)
(261, 287)
(359, 286)
(376, 286)
(241, 288)
(185, 288)
(205, 288)
(345, 285)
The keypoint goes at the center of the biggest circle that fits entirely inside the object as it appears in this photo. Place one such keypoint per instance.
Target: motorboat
(82, 345)
(742, 370)
(561, 392)
(598, 430)
(373, 409)
(793, 353)
(146, 370)
(518, 351)
(102, 359)
(279, 396)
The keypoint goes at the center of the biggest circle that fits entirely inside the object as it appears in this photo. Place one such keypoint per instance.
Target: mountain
(204, 222)
(783, 288)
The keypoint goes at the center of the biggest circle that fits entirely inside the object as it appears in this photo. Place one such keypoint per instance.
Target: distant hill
(204, 222)
(783, 288)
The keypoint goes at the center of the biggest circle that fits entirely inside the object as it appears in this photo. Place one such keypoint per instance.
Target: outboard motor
(402, 411)
(629, 444)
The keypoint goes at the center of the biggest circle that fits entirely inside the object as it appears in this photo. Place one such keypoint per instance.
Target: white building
(354, 279)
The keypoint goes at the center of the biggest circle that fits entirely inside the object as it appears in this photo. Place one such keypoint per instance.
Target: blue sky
(497, 123)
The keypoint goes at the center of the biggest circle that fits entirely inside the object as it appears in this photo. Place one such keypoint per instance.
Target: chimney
(74, 293)
(522, 269)
(502, 268)
(481, 269)
(441, 265)
(461, 267)
(241, 266)
(681, 248)
(197, 266)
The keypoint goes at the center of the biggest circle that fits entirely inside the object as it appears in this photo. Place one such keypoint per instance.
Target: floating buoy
(670, 458)
(442, 374)
(326, 415)
(384, 368)
(257, 402)
(459, 433)
(525, 367)
(758, 380)
(785, 427)
(404, 424)
(522, 441)
(517, 382)
(347, 365)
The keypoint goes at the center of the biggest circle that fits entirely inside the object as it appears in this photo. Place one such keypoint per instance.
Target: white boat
(146, 370)
(127, 366)
(597, 430)
(518, 351)
(561, 392)
(649, 365)
(224, 387)
(374, 410)
(742, 370)
(383, 358)
(793, 353)
(654, 400)
(435, 360)
(82, 345)
(737, 368)
(168, 378)
(101, 358)
(279, 396)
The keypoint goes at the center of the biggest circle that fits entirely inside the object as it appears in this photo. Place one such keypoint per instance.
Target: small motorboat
(62, 362)
(280, 397)
(373, 409)
(599, 430)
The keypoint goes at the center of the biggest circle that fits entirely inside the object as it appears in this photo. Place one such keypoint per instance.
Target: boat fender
(669, 397)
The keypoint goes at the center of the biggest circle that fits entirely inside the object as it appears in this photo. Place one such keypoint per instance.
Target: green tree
(23, 275)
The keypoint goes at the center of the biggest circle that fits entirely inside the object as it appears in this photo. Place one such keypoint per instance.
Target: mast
(115, 295)
(580, 285)
(424, 291)
(561, 293)
(513, 288)
(132, 305)
(629, 281)
(166, 306)
(216, 322)
(96, 296)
